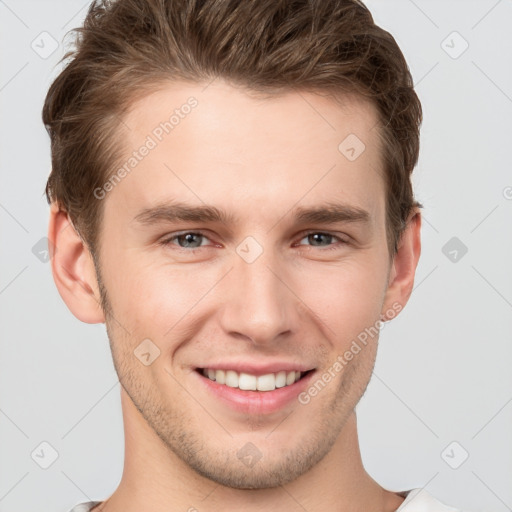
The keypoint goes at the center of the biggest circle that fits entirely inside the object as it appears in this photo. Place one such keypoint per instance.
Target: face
(245, 248)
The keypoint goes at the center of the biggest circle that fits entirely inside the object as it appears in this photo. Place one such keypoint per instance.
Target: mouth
(250, 382)
(259, 393)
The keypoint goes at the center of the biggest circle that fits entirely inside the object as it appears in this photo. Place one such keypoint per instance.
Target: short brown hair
(128, 47)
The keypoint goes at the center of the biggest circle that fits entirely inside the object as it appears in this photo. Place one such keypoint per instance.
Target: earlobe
(73, 269)
(403, 269)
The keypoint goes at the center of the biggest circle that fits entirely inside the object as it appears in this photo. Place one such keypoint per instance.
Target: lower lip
(256, 402)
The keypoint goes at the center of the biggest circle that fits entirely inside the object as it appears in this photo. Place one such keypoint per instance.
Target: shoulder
(85, 507)
(419, 500)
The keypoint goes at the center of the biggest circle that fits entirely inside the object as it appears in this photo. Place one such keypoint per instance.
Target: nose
(258, 302)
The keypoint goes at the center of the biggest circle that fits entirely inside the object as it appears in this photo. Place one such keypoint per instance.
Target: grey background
(443, 368)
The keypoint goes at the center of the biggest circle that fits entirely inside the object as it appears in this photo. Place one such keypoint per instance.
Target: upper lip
(258, 369)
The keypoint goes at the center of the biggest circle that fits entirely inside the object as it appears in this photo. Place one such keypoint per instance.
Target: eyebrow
(326, 213)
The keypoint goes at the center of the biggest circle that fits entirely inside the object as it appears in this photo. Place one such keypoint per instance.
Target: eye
(186, 240)
(317, 238)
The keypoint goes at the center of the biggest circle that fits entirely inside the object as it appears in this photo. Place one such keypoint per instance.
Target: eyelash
(168, 241)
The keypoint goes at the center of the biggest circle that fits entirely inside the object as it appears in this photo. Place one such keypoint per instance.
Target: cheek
(150, 298)
(347, 298)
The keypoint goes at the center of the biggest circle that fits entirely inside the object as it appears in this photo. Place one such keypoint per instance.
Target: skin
(257, 159)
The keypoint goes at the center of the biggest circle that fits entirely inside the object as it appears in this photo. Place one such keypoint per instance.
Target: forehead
(219, 106)
(224, 145)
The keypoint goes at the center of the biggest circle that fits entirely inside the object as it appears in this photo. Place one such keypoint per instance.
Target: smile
(249, 382)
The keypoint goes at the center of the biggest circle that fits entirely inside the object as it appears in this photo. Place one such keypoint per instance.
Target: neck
(155, 479)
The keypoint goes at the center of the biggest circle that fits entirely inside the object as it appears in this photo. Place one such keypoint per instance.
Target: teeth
(246, 381)
(280, 380)
(219, 376)
(231, 379)
(266, 382)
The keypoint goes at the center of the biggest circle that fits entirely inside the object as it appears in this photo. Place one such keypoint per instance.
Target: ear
(73, 269)
(403, 268)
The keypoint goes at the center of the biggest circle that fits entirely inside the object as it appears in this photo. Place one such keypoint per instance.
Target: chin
(262, 470)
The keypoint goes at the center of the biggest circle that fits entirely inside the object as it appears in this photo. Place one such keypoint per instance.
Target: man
(230, 193)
